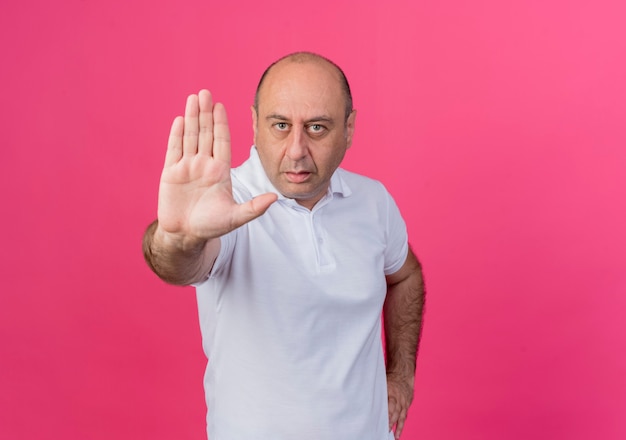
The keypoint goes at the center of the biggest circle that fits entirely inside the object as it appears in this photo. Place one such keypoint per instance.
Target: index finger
(221, 134)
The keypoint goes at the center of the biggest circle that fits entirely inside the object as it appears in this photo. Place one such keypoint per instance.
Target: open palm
(195, 193)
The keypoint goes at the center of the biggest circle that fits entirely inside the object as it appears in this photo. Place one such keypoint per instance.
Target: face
(300, 131)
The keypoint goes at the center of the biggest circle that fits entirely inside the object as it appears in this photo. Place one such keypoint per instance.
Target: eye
(281, 126)
(316, 128)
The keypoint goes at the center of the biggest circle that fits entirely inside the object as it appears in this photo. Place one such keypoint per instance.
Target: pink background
(499, 126)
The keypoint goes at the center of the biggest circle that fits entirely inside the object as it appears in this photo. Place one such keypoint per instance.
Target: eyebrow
(322, 118)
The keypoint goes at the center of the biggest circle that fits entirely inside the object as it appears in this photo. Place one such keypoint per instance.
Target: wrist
(177, 243)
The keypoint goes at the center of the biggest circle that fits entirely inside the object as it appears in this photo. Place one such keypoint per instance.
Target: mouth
(297, 177)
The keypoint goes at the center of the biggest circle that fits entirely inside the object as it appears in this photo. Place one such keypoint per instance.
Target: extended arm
(177, 262)
(402, 313)
(196, 204)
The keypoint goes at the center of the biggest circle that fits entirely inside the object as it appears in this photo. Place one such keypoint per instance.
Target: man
(293, 259)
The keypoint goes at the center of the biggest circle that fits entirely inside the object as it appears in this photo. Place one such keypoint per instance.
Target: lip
(297, 177)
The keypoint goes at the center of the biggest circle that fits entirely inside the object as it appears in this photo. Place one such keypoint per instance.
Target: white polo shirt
(290, 316)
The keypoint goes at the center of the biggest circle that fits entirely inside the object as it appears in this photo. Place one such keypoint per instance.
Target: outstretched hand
(400, 396)
(195, 195)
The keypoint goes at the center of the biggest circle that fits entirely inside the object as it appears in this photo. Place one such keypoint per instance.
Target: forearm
(178, 261)
(403, 313)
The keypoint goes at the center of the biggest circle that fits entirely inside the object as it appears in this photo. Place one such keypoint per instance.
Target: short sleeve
(397, 247)
(226, 250)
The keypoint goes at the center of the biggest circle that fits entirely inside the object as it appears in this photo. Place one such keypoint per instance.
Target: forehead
(302, 87)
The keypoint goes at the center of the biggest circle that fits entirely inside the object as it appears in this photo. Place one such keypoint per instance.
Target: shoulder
(361, 186)
(241, 188)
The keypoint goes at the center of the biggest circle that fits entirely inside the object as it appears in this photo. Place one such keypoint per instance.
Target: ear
(255, 120)
(350, 128)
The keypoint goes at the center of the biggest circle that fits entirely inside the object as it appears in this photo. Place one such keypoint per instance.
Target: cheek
(332, 161)
(270, 158)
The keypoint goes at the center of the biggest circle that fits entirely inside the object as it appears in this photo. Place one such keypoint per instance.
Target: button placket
(324, 258)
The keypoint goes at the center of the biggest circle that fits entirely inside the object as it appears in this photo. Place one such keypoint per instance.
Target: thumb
(253, 208)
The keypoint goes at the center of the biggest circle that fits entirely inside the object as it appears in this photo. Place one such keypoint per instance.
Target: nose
(297, 145)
